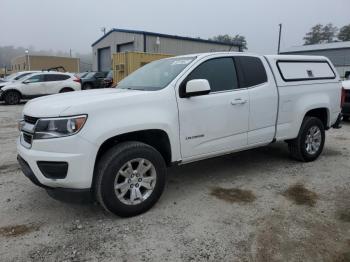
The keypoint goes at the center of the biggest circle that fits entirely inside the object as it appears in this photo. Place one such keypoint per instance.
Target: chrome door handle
(238, 101)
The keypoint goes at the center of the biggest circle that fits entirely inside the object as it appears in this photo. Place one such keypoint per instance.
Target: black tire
(297, 146)
(107, 169)
(66, 89)
(12, 98)
(346, 118)
(88, 86)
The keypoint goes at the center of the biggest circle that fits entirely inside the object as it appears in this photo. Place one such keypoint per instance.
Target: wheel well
(67, 88)
(13, 90)
(153, 137)
(320, 113)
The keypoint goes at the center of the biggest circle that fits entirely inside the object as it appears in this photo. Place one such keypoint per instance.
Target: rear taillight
(343, 95)
(77, 79)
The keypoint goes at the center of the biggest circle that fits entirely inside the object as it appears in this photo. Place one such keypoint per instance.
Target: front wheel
(12, 98)
(310, 141)
(130, 178)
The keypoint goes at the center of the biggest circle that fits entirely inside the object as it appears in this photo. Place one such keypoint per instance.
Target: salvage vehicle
(346, 102)
(115, 144)
(38, 84)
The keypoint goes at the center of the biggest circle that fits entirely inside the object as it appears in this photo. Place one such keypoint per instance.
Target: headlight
(58, 127)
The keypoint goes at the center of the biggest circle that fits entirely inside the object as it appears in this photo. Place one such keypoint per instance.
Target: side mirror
(197, 87)
(26, 82)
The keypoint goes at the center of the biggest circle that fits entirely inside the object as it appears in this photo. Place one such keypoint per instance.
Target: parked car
(346, 103)
(108, 80)
(115, 144)
(38, 84)
(93, 80)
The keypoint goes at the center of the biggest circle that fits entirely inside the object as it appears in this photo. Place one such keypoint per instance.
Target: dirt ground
(257, 205)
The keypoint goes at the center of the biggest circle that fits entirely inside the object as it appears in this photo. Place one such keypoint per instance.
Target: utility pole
(70, 52)
(279, 39)
(27, 52)
(103, 29)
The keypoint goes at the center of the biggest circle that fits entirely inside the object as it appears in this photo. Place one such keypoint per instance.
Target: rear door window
(294, 70)
(252, 71)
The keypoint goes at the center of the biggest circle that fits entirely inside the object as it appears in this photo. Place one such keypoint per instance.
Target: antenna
(103, 30)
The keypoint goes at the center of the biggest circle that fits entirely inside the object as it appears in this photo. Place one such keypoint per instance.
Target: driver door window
(220, 73)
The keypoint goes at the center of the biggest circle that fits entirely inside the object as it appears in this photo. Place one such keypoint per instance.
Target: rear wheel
(310, 141)
(130, 178)
(346, 118)
(12, 98)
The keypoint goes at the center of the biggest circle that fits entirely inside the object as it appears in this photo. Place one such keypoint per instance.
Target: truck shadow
(231, 165)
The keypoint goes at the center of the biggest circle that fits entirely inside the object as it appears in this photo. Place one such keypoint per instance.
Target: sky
(76, 24)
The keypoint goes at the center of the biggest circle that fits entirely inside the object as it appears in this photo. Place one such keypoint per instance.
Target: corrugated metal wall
(182, 47)
(114, 39)
(165, 46)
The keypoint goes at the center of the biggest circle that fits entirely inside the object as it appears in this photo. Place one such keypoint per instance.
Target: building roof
(317, 47)
(238, 43)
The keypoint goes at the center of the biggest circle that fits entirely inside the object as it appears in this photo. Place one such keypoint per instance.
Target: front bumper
(78, 153)
(62, 194)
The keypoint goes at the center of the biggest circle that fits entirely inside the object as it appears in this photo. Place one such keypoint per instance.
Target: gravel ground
(256, 205)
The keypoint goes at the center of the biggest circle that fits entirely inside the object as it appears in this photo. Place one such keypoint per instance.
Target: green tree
(233, 40)
(321, 34)
(344, 33)
(314, 36)
(329, 33)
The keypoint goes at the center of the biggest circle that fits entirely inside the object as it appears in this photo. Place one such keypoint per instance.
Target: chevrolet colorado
(115, 144)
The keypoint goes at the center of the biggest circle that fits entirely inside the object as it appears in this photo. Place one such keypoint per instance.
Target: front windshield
(156, 75)
(19, 77)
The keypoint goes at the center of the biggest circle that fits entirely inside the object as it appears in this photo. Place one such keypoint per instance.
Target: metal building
(338, 53)
(122, 40)
(40, 62)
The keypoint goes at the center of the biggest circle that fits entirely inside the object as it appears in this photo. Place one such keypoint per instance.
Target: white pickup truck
(115, 144)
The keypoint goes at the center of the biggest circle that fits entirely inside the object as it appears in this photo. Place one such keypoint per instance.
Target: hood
(6, 83)
(77, 102)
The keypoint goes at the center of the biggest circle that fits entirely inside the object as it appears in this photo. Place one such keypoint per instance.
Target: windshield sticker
(182, 62)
